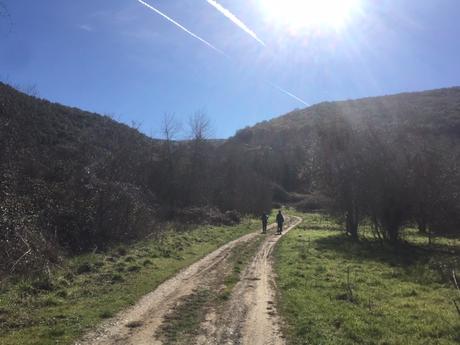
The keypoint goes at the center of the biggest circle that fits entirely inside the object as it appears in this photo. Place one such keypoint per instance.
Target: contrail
(181, 27)
(235, 20)
(288, 93)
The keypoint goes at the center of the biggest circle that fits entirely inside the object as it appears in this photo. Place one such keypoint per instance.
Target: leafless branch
(170, 127)
(17, 261)
(200, 126)
(454, 279)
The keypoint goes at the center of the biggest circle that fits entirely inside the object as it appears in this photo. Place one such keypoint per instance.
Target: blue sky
(120, 58)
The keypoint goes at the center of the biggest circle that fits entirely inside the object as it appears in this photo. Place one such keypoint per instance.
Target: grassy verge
(90, 288)
(239, 259)
(184, 322)
(335, 291)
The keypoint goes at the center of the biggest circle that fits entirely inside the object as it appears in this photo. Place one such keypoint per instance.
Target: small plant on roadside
(50, 301)
(62, 293)
(44, 283)
(105, 314)
(116, 278)
(147, 262)
(133, 268)
(130, 258)
(84, 267)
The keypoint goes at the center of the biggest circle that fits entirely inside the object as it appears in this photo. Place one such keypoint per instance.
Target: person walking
(280, 222)
(264, 223)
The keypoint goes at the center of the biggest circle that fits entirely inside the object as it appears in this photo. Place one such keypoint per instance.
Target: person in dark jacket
(264, 223)
(280, 222)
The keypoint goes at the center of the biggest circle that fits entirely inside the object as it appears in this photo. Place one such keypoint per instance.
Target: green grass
(239, 259)
(335, 291)
(93, 287)
(186, 319)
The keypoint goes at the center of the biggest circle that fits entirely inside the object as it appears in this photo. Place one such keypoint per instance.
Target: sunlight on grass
(335, 291)
(93, 287)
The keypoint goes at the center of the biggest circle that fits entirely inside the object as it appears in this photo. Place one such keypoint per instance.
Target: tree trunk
(352, 224)
(421, 224)
(393, 234)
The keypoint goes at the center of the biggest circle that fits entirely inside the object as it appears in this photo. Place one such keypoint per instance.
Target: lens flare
(299, 16)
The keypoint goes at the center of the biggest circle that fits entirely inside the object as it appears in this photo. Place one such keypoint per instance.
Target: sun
(299, 16)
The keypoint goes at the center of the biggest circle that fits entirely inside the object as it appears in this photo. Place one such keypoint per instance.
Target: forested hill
(394, 160)
(69, 179)
(291, 141)
(73, 181)
(436, 111)
(40, 136)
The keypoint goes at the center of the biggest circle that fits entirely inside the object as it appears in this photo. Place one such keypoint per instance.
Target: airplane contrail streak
(235, 20)
(288, 93)
(181, 27)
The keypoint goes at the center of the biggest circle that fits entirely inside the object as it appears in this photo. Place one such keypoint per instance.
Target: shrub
(84, 267)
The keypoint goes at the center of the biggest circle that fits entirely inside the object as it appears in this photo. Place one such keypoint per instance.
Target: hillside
(74, 181)
(437, 110)
(289, 140)
(70, 179)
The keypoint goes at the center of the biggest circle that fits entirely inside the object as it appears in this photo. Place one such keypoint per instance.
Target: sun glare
(299, 16)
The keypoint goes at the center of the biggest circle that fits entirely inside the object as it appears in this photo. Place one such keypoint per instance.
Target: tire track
(138, 324)
(250, 317)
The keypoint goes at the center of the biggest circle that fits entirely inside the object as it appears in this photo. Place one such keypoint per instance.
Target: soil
(249, 316)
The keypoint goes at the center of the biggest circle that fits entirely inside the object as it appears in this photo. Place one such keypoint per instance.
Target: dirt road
(247, 317)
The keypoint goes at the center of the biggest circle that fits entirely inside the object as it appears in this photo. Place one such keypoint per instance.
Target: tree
(366, 170)
(199, 126)
(436, 186)
(387, 199)
(198, 173)
(238, 186)
(168, 166)
(340, 171)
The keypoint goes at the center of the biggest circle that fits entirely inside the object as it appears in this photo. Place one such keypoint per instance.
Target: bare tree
(30, 89)
(197, 180)
(170, 128)
(200, 126)
(169, 174)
